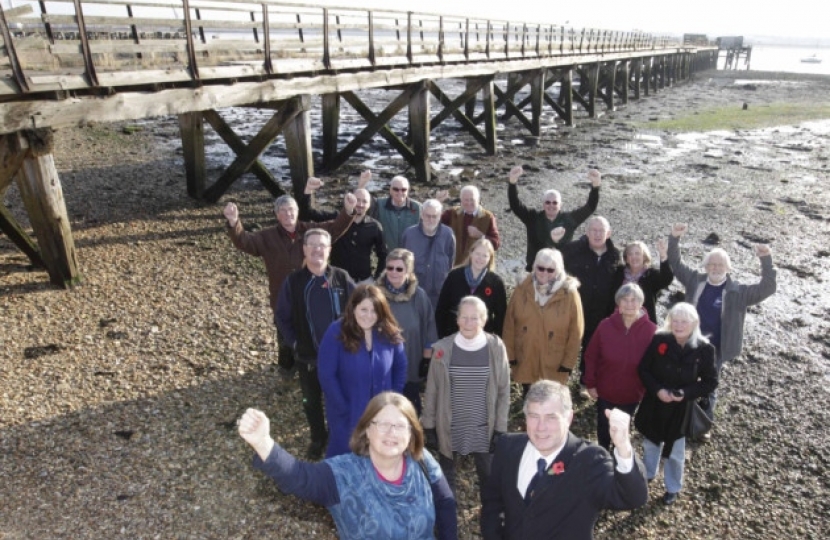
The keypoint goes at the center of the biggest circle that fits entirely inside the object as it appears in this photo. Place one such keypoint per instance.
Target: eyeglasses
(403, 189)
(386, 427)
(552, 203)
(430, 216)
(318, 246)
(543, 269)
(395, 269)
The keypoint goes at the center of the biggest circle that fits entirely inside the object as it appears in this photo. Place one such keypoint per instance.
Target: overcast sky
(791, 18)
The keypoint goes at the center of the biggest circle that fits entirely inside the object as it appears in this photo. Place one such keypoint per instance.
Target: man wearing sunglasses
(540, 223)
(397, 212)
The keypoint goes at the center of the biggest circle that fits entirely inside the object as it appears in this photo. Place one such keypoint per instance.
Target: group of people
(365, 341)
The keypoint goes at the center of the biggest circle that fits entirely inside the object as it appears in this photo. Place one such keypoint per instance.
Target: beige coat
(541, 339)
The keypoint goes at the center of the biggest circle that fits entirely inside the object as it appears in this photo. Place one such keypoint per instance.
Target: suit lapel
(552, 480)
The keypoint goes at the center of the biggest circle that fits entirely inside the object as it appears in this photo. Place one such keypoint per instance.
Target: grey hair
(544, 390)
(316, 232)
(474, 190)
(684, 308)
(284, 200)
(718, 251)
(553, 192)
(432, 203)
(629, 289)
(400, 179)
(478, 303)
(605, 223)
(403, 255)
(553, 257)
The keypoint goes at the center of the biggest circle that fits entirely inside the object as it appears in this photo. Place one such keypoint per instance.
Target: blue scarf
(472, 282)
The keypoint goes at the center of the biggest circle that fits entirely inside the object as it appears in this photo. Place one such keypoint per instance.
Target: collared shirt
(530, 457)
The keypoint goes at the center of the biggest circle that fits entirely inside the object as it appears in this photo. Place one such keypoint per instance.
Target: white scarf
(473, 344)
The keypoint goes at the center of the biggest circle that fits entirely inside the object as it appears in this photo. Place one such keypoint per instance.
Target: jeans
(483, 462)
(673, 469)
(603, 433)
(285, 354)
(312, 402)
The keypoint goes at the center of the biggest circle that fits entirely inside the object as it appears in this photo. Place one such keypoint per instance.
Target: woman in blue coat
(360, 356)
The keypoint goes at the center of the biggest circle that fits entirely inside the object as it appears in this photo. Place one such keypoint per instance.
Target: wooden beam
(625, 75)
(238, 146)
(638, 76)
(511, 109)
(452, 107)
(488, 99)
(331, 126)
(470, 105)
(297, 133)
(11, 159)
(419, 129)
(40, 189)
(193, 150)
(258, 144)
(537, 91)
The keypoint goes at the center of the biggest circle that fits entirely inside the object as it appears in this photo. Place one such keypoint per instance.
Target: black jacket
(353, 250)
(566, 505)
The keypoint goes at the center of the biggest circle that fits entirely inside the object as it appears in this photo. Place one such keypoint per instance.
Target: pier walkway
(65, 63)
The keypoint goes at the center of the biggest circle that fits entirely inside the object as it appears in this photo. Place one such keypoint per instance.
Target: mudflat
(118, 399)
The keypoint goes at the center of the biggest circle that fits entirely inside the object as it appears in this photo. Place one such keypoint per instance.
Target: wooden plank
(258, 144)
(537, 91)
(331, 126)
(40, 189)
(193, 150)
(488, 99)
(419, 129)
(238, 146)
(511, 108)
(297, 134)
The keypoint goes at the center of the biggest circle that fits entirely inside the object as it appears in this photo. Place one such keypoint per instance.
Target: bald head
(362, 202)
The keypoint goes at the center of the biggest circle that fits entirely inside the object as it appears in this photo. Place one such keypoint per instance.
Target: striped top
(469, 372)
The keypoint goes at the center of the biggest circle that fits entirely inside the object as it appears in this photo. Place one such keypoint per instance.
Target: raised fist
(679, 229)
(231, 213)
(557, 234)
(312, 184)
(442, 196)
(594, 177)
(515, 173)
(255, 428)
(349, 202)
(474, 232)
(763, 250)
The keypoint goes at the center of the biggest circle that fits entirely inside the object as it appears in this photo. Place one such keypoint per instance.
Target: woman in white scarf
(468, 393)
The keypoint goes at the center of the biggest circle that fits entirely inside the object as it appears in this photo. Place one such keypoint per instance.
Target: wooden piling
(419, 129)
(193, 150)
(297, 133)
(537, 92)
(488, 100)
(40, 189)
(331, 127)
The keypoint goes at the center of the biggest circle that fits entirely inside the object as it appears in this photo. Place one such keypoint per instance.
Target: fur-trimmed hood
(406, 295)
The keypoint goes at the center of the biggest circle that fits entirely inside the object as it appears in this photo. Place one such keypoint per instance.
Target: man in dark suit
(548, 483)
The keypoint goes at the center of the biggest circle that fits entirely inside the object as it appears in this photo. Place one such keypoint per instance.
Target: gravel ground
(119, 398)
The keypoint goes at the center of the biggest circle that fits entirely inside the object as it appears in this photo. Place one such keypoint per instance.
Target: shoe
(315, 451)
(705, 438)
(670, 498)
(583, 393)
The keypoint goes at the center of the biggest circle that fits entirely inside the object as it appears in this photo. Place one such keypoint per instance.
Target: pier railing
(84, 45)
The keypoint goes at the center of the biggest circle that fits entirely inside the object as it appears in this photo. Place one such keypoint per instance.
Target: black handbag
(696, 423)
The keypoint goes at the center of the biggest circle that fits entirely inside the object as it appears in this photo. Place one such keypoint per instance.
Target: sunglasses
(400, 189)
(543, 269)
(552, 203)
(395, 269)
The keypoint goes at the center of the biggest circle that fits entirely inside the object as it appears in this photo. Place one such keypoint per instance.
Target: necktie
(541, 465)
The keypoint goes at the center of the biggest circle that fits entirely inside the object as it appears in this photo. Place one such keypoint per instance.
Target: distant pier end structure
(733, 50)
(64, 63)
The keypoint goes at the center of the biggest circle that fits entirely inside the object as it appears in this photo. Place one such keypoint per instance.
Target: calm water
(768, 58)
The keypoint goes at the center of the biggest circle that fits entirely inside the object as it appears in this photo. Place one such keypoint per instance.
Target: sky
(793, 18)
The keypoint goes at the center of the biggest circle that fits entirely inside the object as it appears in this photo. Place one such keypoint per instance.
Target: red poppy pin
(488, 291)
(662, 348)
(557, 468)
(439, 354)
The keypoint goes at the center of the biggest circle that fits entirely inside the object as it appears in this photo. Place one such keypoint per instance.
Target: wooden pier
(64, 63)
